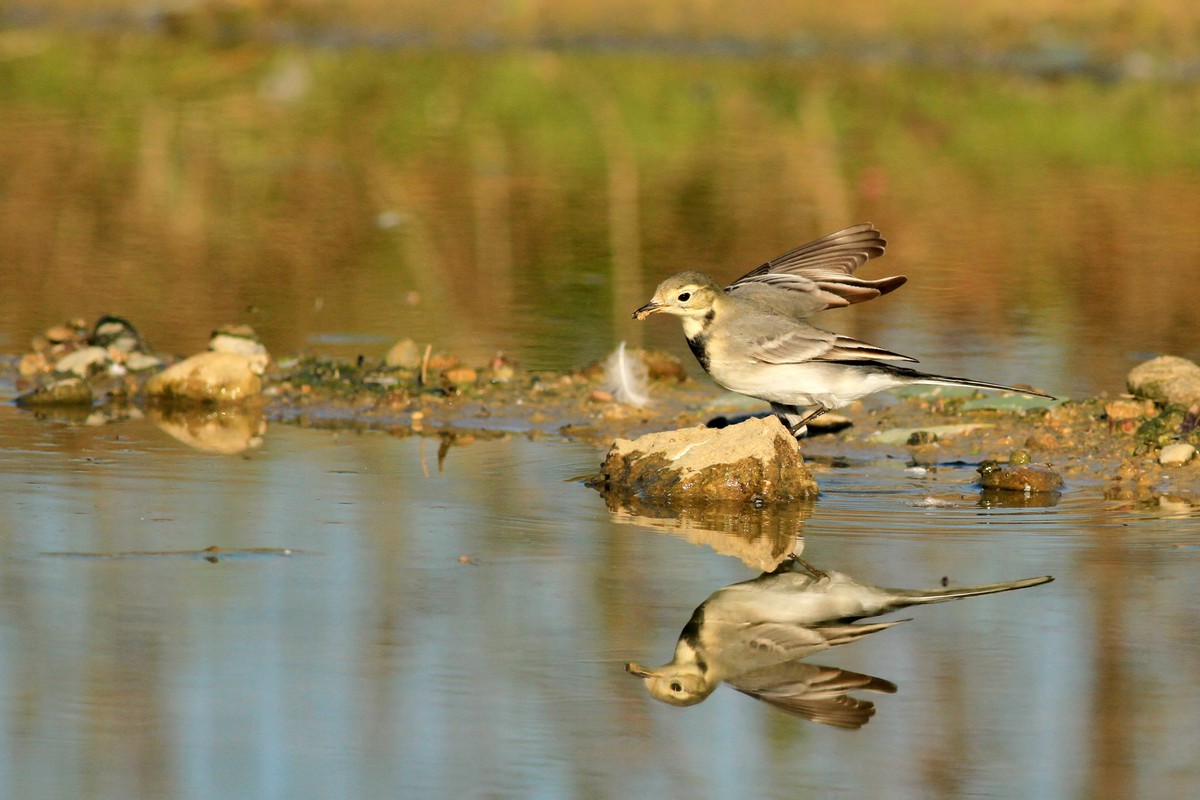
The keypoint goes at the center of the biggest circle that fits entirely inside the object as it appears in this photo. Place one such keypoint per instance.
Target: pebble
(136, 362)
(440, 362)
(502, 370)
(1128, 409)
(460, 376)
(33, 364)
(1028, 478)
(404, 353)
(1166, 379)
(82, 361)
(1176, 455)
(240, 339)
(60, 333)
(66, 392)
(1041, 440)
(663, 366)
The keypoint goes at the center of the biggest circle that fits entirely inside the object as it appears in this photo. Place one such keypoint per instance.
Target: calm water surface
(374, 662)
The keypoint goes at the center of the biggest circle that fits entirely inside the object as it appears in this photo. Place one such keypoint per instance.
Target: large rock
(754, 460)
(208, 378)
(1167, 379)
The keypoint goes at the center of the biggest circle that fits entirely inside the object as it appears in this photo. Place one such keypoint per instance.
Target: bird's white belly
(813, 383)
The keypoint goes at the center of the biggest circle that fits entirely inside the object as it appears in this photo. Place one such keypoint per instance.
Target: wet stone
(1176, 455)
(404, 353)
(208, 378)
(1019, 478)
(1041, 440)
(240, 339)
(138, 362)
(460, 376)
(1127, 408)
(1167, 379)
(83, 361)
(756, 460)
(32, 364)
(65, 392)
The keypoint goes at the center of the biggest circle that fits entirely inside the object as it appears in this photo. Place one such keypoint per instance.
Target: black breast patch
(699, 347)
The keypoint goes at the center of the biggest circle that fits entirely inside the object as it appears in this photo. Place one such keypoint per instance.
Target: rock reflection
(227, 430)
(752, 635)
(1003, 498)
(107, 414)
(761, 537)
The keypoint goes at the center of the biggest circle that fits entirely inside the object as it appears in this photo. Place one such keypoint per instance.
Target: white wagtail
(743, 633)
(752, 339)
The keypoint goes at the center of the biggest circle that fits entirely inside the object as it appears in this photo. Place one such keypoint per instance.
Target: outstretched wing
(818, 275)
(814, 692)
(798, 345)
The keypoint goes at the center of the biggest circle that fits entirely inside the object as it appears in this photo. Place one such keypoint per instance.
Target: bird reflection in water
(753, 635)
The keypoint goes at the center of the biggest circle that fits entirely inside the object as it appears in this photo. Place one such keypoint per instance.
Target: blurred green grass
(569, 180)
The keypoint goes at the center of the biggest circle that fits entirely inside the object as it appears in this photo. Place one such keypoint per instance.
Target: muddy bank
(1133, 445)
(1113, 438)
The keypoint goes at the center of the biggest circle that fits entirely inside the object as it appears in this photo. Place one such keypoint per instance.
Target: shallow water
(392, 622)
(461, 631)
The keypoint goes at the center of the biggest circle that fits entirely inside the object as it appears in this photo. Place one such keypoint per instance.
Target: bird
(750, 634)
(752, 336)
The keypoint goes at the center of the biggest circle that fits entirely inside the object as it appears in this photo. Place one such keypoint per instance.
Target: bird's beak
(648, 309)
(638, 672)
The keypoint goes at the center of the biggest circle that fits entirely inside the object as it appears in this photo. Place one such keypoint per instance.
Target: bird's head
(688, 294)
(678, 685)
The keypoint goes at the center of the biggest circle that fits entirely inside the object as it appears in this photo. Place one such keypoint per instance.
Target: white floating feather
(627, 378)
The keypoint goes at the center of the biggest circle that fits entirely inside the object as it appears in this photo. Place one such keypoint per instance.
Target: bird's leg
(809, 568)
(800, 428)
(796, 560)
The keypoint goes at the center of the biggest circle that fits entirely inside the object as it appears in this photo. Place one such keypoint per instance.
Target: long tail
(920, 596)
(915, 376)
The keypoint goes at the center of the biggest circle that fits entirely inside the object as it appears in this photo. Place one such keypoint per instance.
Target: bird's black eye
(684, 296)
(676, 687)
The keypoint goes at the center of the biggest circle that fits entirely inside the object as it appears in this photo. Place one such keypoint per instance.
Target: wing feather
(814, 692)
(819, 274)
(803, 344)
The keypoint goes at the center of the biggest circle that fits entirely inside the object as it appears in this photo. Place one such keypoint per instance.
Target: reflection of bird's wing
(819, 274)
(814, 692)
(747, 647)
